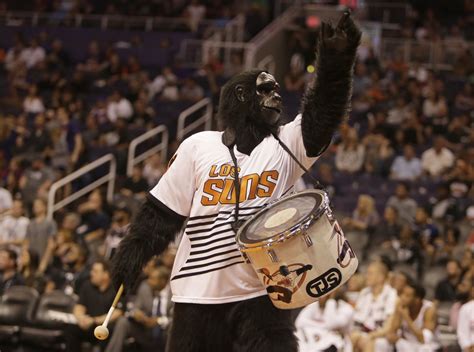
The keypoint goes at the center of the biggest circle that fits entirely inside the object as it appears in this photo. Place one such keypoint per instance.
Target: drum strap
(236, 224)
(317, 185)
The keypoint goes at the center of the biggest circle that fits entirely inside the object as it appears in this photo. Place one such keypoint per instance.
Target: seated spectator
(194, 13)
(10, 276)
(446, 289)
(425, 231)
(387, 230)
(399, 113)
(466, 325)
(6, 200)
(405, 206)
(406, 167)
(40, 229)
(350, 153)
(191, 91)
(436, 110)
(135, 185)
(33, 103)
(148, 319)
(95, 299)
(295, 79)
(94, 219)
(13, 226)
(437, 159)
(414, 321)
(407, 252)
(153, 169)
(463, 291)
(374, 307)
(35, 181)
(161, 81)
(464, 100)
(34, 54)
(119, 107)
(365, 216)
(324, 325)
(377, 153)
(118, 229)
(28, 266)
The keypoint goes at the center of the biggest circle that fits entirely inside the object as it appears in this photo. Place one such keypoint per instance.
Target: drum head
(281, 216)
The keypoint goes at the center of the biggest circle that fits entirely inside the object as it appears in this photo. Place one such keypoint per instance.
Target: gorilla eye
(265, 88)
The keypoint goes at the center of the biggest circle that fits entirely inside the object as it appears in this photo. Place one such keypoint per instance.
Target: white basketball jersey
(199, 185)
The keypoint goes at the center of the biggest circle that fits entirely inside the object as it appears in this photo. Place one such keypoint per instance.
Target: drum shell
(323, 247)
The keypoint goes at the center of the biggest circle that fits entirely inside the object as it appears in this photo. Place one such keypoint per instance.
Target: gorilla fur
(252, 326)
(150, 233)
(327, 102)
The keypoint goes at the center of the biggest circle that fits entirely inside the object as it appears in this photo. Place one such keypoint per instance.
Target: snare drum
(297, 249)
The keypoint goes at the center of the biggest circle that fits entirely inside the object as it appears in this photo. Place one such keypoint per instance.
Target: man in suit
(148, 319)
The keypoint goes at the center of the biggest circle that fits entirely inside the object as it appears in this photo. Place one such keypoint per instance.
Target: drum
(297, 249)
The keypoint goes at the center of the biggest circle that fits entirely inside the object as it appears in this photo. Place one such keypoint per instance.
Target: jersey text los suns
(219, 188)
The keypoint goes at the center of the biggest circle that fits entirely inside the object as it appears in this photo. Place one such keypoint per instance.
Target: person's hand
(139, 316)
(85, 322)
(150, 322)
(345, 38)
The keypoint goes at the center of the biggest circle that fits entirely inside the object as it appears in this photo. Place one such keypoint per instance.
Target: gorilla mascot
(220, 304)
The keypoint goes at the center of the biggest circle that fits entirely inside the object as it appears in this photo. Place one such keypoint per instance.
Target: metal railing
(435, 55)
(144, 23)
(161, 147)
(205, 119)
(109, 178)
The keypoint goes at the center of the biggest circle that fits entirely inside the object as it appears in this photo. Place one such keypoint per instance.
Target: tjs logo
(324, 283)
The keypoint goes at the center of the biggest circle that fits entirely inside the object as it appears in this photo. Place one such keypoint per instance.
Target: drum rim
(295, 230)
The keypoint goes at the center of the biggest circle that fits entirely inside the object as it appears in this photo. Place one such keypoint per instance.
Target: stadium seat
(16, 309)
(46, 328)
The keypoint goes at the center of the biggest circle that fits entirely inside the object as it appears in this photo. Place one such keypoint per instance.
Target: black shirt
(15, 280)
(96, 302)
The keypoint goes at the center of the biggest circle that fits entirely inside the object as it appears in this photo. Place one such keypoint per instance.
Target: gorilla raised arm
(327, 102)
(150, 233)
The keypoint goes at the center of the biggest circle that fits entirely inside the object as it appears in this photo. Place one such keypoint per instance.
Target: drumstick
(101, 332)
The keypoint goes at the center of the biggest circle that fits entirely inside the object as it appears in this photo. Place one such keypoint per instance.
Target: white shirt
(209, 268)
(34, 56)
(436, 163)
(33, 105)
(466, 325)
(13, 229)
(372, 312)
(319, 328)
(119, 110)
(6, 200)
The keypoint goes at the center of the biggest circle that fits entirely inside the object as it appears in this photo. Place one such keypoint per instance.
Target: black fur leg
(150, 233)
(258, 326)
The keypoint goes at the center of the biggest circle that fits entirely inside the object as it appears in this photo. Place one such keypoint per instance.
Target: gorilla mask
(250, 108)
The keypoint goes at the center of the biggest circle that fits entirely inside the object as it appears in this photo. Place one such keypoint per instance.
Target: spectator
(399, 113)
(40, 139)
(36, 181)
(407, 252)
(446, 288)
(118, 229)
(377, 153)
(35, 54)
(415, 321)
(405, 206)
(40, 229)
(426, 231)
(28, 265)
(119, 107)
(374, 306)
(13, 226)
(406, 167)
(437, 159)
(6, 200)
(466, 325)
(190, 91)
(161, 81)
(33, 103)
(295, 79)
(135, 185)
(350, 153)
(153, 169)
(324, 325)
(10, 275)
(398, 280)
(149, 318)
(387, 230)
(95, 299)
(365, 216)
(195, 13)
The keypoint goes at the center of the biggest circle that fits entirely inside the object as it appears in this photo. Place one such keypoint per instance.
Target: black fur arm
(327, 102)
(152, 229)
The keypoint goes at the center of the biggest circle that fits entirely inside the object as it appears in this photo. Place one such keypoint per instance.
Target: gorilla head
(249, 109)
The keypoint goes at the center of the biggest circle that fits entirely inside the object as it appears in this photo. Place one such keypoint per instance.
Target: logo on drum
(283, 283)
(324, 283)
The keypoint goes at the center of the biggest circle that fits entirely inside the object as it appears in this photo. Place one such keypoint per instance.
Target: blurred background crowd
(400, 173)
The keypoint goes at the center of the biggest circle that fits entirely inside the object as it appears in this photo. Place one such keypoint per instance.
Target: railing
(436, 55)
(161, 147)
(143, 23)
(109, 178)
(205, 119)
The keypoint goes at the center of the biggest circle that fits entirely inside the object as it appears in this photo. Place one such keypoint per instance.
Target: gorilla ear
(239, 93)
